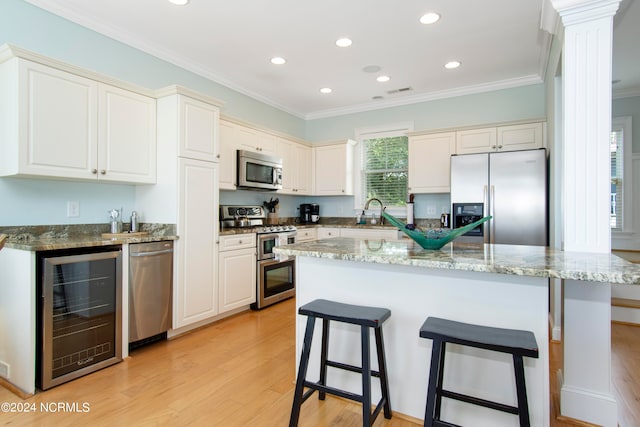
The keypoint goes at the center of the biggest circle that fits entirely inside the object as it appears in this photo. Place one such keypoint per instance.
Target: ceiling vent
(401, 90)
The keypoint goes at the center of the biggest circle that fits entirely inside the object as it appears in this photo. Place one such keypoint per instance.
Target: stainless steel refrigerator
(510, 186)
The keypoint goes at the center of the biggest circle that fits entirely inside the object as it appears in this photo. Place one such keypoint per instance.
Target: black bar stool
(366, 317)
(515, 342)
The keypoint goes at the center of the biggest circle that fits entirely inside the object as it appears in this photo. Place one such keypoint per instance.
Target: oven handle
(268, 262)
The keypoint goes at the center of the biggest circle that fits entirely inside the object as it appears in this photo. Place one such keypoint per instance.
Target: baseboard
(15, 390)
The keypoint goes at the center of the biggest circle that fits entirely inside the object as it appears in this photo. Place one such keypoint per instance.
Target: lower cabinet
(306, 234)
(236, 271)
(370, 233)
(360, 233)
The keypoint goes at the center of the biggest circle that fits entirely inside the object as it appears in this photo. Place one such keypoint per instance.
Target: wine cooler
(79, 313)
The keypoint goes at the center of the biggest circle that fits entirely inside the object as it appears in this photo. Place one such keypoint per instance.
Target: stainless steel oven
(276, 278)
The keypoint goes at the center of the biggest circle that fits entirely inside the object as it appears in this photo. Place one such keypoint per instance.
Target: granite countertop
(517, 260)
(54, 237)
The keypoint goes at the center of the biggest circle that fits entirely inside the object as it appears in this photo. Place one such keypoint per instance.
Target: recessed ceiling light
(179, 2)
(452, 64)
(371, 69)
(277, 60)
(343, 42)
(383, 79)
(429, 18)
(326, 90)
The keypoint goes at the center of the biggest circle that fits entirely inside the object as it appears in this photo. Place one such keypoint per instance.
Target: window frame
(361, 134)
(625, 124)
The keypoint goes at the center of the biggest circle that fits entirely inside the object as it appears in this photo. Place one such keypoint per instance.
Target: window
(620, 170)
(383, 171)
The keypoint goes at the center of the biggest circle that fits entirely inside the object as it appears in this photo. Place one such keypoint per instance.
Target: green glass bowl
(444, 236)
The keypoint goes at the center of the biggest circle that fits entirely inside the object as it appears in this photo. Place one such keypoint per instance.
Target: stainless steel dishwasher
(150, 282)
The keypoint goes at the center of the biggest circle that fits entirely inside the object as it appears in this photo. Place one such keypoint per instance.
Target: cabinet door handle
(217, 156)
(499, 147)
(239, 242)
(94, 171)
(103, 172)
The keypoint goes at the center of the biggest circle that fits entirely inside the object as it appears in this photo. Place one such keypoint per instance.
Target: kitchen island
(498, 285)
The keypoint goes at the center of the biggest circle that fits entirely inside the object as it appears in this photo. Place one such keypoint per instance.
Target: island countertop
(537, 261)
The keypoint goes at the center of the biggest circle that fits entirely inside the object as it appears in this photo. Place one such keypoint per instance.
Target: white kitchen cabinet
(236, 271)
(187, 195)
(62, 125)
(196, 287)
(328, 232)
(198, 129)
(429, 162)
(126, 136)
(501, 138)
(333, 169)
(521, 137)
(250, 139)
(370, 233)
(306, 234)
(228, 158)
(296, 167)
(476, 140)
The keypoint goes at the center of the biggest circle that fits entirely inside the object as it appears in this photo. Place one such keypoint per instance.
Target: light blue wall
(31, 202)
(630, 107)
(506, 105)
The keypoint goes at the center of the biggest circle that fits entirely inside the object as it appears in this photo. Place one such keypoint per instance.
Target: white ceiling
(498, 42)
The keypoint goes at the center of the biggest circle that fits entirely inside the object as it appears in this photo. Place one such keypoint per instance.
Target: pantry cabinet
(429, 162)
(236, 271)
(196, 285)
(187, 195)
(333, 169)
(63, 125)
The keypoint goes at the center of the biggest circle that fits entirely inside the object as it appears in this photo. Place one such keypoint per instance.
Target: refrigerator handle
(485, 234)
(492, 228)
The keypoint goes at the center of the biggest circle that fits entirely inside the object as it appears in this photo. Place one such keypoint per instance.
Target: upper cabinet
(228, 158)
(296, 167)
(62, 125)
(126, 136)
(429, 162)
(476, 141)
(333, 169)
(527, 136)
(198, 129)
(255, 140)
(502, 138)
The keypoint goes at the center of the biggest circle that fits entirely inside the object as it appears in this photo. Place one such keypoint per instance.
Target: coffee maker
(309, 213)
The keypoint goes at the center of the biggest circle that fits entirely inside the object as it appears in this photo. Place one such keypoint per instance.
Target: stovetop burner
(256, 216)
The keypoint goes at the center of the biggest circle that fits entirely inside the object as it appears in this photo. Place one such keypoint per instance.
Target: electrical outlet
(73, 209)
(4, 370)
(431, 210)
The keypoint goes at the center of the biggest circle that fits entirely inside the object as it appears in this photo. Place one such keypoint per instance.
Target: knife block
(272, 218)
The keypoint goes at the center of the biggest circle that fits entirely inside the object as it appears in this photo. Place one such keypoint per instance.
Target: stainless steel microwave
(259, 171)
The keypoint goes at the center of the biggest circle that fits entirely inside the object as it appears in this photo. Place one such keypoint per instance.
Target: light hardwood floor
(240, 372)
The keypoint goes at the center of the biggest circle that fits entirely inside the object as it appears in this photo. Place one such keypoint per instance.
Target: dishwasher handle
(151, 253)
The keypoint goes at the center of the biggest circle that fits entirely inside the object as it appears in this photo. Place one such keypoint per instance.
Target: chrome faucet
(366, 206)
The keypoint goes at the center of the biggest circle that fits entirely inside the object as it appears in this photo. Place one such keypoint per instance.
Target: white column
(586, 72)
(586, 392)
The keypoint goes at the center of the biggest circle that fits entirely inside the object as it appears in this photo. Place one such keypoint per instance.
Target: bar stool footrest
(313, 386)
(477, 401)
(350, 368)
